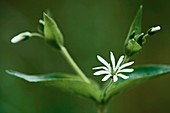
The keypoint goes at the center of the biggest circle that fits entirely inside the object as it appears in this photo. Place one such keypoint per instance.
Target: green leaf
(66, 82)
(52, 32)
(136, 24)
(140, 75)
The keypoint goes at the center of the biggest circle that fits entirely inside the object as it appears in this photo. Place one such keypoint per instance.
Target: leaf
(136, 24)
(66, 82)
(52, 32)
(140, 75)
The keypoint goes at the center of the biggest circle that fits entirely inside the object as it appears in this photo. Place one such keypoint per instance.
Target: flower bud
(132, 47)
(41, 26)
(41, 22)
(20, 37)
(153, 30)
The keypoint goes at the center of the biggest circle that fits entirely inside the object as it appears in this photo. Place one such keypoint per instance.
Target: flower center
(113, 72)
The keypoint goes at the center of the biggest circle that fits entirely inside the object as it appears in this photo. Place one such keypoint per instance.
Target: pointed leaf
(65, 82)
(136, 24)
(52, 32)
(140, 75)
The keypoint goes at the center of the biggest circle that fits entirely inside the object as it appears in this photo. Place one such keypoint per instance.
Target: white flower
(20, 37)
(113, 70)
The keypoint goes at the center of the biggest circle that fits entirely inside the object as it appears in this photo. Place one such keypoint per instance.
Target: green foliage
(52, 33)
(140, 75)
(66, 82)
(131, 45)
(76, 85)
(136, 24)
(135, 38)
(80, 84)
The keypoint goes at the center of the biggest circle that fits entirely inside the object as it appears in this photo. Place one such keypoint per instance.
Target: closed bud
(153, 30)
(132, 47)
(41, 26)
(20, 37)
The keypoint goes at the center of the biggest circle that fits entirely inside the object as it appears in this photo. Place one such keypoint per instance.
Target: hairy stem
(73, 64)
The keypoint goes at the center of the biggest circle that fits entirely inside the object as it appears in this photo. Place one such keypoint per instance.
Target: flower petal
(123, 76)
(112, 60)
(106, 77)
(126, 70)
(101, 72)
(103, 61)
(125, 65)
(100, 67)
(119, 62)
(115, 78)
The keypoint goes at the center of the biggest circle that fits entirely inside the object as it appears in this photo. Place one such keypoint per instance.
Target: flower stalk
(72, 63)
(37, 35)
(102, 108)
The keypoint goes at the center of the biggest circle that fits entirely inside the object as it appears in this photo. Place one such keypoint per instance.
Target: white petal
(115, 78)
(106, 77)
(100, 67)
(123, 76)
(112, 60)
(101, 72)
(125, 65)
(103, 61)
(119, 62)
(126, 70)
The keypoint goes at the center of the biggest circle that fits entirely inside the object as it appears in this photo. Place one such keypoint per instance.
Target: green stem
(102, 109)
(73, 64)
(37, 35)
(126, 59)
(106, 89)
(146, 35)
(68, 58)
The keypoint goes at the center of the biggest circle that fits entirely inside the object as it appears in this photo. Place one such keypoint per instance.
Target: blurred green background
(90, 27)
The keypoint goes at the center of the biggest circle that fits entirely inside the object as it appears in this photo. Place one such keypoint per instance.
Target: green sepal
(52, 33)
(132, 47)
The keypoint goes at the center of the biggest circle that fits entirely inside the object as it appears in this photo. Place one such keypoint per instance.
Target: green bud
(132, 47)
(52, 33)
